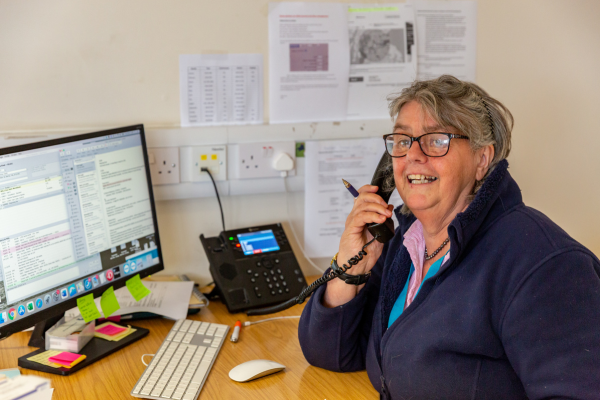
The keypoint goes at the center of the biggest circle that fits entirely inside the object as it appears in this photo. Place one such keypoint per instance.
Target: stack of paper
(169, 299)
(26, 387)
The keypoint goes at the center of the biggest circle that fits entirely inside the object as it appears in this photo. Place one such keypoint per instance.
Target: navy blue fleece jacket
(513, 314)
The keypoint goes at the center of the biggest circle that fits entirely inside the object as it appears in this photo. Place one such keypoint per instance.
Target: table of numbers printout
(221, 89)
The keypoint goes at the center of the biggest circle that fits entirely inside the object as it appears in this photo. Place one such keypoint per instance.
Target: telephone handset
(382, 232)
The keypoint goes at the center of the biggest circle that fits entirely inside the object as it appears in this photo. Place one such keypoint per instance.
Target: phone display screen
(258, 242)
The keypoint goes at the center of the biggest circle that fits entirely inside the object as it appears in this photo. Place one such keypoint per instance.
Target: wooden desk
(114, 376)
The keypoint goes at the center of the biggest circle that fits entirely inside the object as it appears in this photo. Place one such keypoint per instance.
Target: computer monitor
(77, 216)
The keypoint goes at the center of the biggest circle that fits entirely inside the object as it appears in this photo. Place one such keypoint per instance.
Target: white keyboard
(181, 365)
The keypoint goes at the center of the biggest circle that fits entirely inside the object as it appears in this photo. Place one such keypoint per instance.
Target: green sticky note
(88, 308)
(109, 302)
(137, 288)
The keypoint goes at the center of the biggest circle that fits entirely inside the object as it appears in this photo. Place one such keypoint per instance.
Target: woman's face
(450, 178)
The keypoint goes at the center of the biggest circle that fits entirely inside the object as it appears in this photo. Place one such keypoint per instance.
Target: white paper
(382, 56)
(221, 89)
(169, 299)
(28, 387)
(327, 202)
(41, 395)
(308, 62)
(446, 38)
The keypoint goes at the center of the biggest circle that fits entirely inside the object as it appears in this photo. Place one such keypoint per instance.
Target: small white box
(61, 336)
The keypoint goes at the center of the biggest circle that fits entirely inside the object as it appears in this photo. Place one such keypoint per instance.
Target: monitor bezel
(55, 310)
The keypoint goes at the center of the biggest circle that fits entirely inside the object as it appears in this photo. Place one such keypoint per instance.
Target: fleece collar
(498, 194)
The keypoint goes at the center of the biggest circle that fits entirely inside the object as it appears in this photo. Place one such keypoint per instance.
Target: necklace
(437, 250)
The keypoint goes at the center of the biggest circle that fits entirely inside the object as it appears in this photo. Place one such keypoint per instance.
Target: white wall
(73, 65)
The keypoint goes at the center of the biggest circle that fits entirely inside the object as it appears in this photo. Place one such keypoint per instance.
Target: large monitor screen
(76, 216)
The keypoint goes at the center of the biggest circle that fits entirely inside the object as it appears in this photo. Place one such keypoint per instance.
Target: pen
(236, 332)
(350, 188)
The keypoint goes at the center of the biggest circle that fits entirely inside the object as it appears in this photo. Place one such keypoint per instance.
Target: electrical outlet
(212, 157)
(164, 165)
(255, 160)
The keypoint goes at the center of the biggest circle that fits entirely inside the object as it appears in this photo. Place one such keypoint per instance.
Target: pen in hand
(350, 188)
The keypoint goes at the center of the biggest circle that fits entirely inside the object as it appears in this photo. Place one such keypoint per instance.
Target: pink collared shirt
(414, 241)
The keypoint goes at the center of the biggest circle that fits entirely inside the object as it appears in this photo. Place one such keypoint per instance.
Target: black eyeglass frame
(418, 140)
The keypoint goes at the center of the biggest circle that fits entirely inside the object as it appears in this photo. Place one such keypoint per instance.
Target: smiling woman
(477, 295)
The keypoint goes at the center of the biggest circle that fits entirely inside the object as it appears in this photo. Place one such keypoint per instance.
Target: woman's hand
(368, 208)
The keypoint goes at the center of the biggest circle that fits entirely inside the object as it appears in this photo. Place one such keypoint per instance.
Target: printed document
(221, 89)
(169, 299)
(447, 38)
(308, 62)
(327, 202)
(382, 56)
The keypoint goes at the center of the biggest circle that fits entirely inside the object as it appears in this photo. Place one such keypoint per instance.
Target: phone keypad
(273, 277)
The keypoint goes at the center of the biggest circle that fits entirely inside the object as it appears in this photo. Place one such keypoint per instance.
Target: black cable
(217, 192)
(332, 274)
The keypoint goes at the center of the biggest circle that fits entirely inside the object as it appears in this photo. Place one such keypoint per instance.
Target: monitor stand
(94, 350)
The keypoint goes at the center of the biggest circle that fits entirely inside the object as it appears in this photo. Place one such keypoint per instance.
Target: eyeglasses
(431, 144)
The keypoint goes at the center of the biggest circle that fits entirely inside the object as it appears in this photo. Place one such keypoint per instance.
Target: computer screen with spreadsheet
(76, 216)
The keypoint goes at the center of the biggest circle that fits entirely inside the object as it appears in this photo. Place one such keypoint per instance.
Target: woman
(477, 296)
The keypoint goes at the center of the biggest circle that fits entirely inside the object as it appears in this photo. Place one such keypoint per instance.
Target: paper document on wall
(327, 202)
(447, 38)
(221, 89)
(382, 56)
(308, 62)
(169, 299)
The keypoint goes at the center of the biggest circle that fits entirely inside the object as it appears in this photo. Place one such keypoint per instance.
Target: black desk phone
(253, 267)
(244, 266)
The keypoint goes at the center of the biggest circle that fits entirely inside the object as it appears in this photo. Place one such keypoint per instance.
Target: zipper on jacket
(384, 394)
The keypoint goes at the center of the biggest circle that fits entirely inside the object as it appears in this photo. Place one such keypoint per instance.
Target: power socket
(193, 159)
(256, 160)
(164, 165)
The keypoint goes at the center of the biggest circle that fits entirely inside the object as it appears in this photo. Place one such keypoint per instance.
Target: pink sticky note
(64, 358)
(110, 330)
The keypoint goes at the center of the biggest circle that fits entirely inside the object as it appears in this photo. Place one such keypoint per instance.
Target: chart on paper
(223, 89)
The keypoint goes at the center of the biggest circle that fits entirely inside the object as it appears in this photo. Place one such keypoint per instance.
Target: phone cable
(287, 201)
(204, 169)
(248, 323)
(330, 275)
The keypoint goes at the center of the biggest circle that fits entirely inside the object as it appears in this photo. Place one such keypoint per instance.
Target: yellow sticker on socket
(203, 157)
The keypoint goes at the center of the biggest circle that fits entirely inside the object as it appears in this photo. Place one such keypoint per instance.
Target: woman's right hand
(368, 208)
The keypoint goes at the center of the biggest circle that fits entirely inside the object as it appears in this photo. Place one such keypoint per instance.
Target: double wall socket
(256, 160)
(194, 158)
(164, 165)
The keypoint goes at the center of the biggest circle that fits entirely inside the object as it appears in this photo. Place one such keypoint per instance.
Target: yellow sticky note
(88, 308)
(43, 357)
(114, 338)
(109, 302)
(137, 288)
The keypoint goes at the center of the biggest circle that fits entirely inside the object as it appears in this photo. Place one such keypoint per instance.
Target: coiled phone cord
(332, 274)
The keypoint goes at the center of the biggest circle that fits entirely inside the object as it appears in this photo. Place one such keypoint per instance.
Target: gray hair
(465, 107)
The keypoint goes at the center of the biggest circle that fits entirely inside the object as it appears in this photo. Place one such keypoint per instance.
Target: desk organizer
(62, 336)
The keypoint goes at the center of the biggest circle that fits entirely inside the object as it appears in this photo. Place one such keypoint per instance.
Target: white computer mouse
(254, 369)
